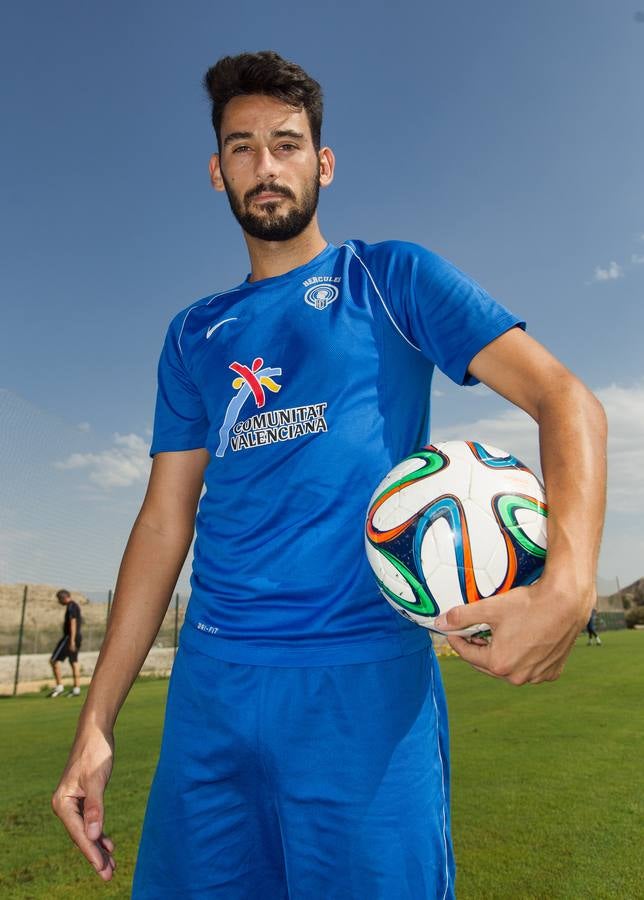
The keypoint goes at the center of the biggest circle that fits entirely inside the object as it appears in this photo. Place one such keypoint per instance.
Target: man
(68, 646)
(591, 629)
(305, 751)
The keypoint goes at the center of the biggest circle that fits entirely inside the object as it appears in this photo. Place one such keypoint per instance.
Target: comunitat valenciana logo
(268, 427)
(321, 290)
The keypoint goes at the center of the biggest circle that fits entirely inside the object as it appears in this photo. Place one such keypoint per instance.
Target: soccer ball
(454, 523)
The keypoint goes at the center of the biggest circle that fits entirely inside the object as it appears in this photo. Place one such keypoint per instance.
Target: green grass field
(547, 783)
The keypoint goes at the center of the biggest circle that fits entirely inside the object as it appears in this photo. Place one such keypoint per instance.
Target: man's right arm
(154, 555)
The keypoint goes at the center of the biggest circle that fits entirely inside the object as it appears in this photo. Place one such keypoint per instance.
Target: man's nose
(266, 165)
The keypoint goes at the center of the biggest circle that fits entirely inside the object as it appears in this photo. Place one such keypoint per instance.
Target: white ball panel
(445, 587)
(455, 450)
(485, 536)
(534, 526)
(406, 467)
(497, 567)
(454, 479)
(443, 542)
(484, 583)
(486, 483)
(389, 574)
(390, 515)
(429, 553)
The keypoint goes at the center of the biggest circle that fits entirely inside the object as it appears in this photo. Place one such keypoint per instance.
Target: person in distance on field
(592, 630)
(68, 646)
(305, 750)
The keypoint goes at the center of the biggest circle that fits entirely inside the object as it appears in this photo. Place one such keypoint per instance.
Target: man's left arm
(73, 628)
(534, 627)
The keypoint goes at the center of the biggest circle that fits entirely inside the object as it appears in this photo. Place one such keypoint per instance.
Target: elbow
(600, 416)
(570, 396)
(594, 413)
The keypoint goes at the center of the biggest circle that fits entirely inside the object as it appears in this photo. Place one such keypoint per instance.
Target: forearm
(72, 632)
(147, 576)
(572, 437)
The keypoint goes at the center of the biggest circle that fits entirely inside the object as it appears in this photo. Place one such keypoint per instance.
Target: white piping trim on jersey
(440, 756)
(393, 321)
(214, 297)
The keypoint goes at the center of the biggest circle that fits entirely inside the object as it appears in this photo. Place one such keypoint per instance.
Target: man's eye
(287, 147)
(241, 148)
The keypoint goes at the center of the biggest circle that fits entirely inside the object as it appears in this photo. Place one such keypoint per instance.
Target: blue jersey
(306, 388)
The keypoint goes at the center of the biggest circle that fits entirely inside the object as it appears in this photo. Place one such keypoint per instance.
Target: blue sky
(506, 136)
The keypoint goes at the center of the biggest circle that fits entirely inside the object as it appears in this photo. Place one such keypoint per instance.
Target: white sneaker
(75, 692)
(57, 691)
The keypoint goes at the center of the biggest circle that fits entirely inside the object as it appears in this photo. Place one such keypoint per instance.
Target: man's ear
(214, 168)
(327, 166)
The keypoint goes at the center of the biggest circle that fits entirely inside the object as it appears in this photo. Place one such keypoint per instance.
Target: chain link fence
(32, 626)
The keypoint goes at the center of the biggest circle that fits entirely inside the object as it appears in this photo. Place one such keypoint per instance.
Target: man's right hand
(155, 552)
(78, 799)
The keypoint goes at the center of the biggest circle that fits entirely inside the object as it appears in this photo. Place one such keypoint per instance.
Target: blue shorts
(320, 783)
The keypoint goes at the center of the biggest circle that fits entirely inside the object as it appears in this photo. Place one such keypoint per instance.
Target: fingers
(458, 618)
(98, 852)
(490, 662)
(479, 641)
(518, 654)
(107, 843)
(475, 654)
(78, 799)
(92, 809)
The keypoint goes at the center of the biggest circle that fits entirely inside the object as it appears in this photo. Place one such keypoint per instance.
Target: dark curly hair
(266, 73)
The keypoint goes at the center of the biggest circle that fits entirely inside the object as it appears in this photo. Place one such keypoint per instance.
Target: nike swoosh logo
(214, 328)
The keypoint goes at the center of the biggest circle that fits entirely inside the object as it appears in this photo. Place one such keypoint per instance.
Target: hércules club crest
(322, 290)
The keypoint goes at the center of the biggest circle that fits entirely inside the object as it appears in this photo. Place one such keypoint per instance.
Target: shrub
(634, 616)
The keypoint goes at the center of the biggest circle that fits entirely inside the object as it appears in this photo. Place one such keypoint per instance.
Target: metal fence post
(20, 633)
(176, 622)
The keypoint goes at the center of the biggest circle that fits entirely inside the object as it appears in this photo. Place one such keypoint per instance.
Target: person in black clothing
(68, 646)
(591, 629)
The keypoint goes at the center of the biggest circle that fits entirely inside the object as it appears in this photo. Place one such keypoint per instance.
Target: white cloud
(512, 430)
(84, 426)
(612, 272)
(122, 465)
(516, 432)
(625, 411)
(614, 269)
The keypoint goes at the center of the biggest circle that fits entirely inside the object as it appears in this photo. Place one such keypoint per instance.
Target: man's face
(268, 167)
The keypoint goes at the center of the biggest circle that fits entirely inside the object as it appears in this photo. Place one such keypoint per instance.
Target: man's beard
(271, 225)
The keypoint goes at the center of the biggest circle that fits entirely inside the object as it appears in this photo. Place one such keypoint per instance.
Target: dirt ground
(35, 670)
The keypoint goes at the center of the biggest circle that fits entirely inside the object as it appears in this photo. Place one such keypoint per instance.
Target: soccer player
(68, 646)
(305, 749)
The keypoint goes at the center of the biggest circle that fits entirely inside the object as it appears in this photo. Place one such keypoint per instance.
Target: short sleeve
(441, 310)
(180, 420)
